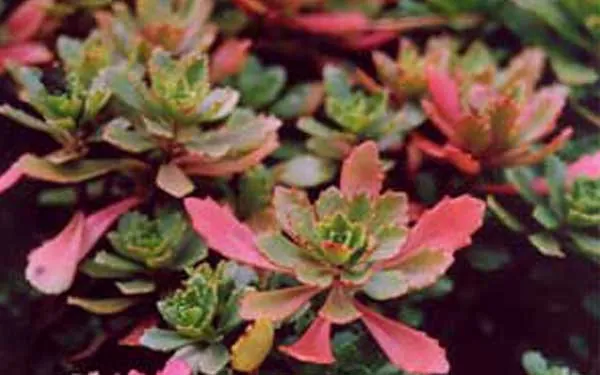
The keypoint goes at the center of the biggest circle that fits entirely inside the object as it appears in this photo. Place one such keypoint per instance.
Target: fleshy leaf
(339, 307)
(107, 306)
(10, 177)
(305, 171)
(163, 340)
(407, 349)
(224, 233)
(277, 304)
(362, 172)
(253, 346)
(314, 346)
(172, 180)
(447, 227)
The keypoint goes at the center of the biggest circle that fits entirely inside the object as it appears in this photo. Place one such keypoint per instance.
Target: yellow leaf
(253, 346)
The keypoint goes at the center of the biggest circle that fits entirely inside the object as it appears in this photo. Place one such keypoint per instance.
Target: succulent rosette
(583, 203)
(487, 126)
(195, 129)
(353, 240)
(177, 26)
(202, 313)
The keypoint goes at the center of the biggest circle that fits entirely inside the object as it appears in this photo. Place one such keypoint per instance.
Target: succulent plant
(485, 126)
(176, 114)
(352, 240)
(165, 241)
(18, 31)
(176, 26)
(566, 205)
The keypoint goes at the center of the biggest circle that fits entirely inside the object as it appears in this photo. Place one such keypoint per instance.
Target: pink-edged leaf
(314, 346)
(339, 306)
(134, 336)
(332, 23)
(444, 94)
(368, 41)
(225, 234)
(51, 267)
(27, 19)
(446, 227)
(24, 54)
(276, 304)
(229, 58)
(176, 367)
(539, 116)
(10, 177)
(202, 167)
(98, 223)
(362, 172)
(173, 367)
(406, 348)
(460, 159)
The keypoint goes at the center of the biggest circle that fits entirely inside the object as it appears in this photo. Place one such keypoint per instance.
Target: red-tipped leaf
(362, 172)
(314, 346)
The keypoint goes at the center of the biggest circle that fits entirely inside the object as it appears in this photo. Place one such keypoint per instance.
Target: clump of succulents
(566, 206)
(353, 240)
(202, 313)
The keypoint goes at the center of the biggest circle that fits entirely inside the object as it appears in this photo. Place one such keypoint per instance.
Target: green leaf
(119, 133)
(172, 180)
(78, 171)
(522, 178)
(117, 263)
(546, 217)
(163, 340)
(260, 85)
(572, 72)
(255, 186)
(135, 287)
(107, 306)
(300, 100)
(505, 217)
(587, 244)
(591, 304)
(99, 271)
(546, 244)
(305, 171)
(555, 172)
(337, 82)
(209, 360)
(488, 259)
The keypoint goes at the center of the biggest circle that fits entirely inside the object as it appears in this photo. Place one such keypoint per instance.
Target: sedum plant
(177, 116)
(566, 206)
(353, 241)
(177, 26)
(491, 126)
(202, 313)
(534, 363)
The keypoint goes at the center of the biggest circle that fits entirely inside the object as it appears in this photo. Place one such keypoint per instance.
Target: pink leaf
(51, 267)
(406, 348)
(173, 367)
(10, 177)
(200, 167)
(444, 94)
(276, 304)
(97, 224)
(314, 346)
(362, 172)
(447, 227)
(27, 19)
(229, 58)
(332, 23)
(224, 233)
(539, 116)
(24, 54)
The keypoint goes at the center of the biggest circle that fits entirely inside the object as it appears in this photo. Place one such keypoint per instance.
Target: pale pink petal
(276, 304)
(314, 346)
(362, 172)
(27, 19)
(97, 224)
(10, 177)
(224, 233)
(229, 58)
(444, 94)
(176, 367)
(51, 267)
(332, 23)
(407, 349)
(446, 227)
(24, 54)
(135, 372)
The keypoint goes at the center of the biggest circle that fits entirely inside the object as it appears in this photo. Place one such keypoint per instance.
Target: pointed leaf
(339, 307)
(106, 306)
(277, 304)
(407, 349)
(546, 244)
(163, 340)
(362, 172)
(314, 346)
(134, 287)
(172, 180)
